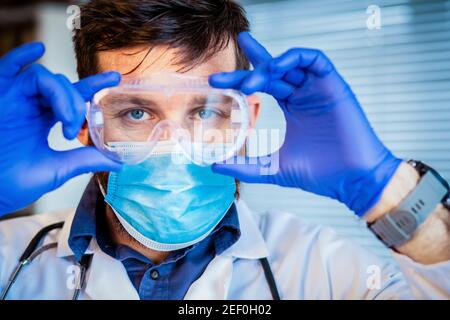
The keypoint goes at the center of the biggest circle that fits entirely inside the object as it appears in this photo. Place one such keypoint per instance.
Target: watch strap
(399, 225)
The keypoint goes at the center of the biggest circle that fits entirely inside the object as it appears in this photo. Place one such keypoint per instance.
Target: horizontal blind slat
(400, 74)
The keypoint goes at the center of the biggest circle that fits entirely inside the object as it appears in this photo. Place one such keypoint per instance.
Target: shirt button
(154, 275)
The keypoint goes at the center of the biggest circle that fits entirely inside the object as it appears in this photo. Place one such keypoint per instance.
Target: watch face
(405, 220)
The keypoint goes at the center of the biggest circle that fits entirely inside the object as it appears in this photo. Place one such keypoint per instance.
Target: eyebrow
(203, 99)
(135, 100)
(118, 100)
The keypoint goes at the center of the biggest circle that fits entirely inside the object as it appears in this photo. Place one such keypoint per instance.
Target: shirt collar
(83, 228)
(227, 231)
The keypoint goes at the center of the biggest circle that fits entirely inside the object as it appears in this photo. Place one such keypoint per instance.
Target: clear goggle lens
(208, 125)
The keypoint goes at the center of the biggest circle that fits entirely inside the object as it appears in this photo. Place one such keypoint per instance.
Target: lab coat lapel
(215, 281)
(251, 244)
(108, 279)
(63, 248)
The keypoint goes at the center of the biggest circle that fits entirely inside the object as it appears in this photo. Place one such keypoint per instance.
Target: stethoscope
(32, 251)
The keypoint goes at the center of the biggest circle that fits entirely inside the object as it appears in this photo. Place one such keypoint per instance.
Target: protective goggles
(131, 121)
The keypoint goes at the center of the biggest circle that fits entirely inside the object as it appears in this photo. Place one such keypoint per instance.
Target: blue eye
(205, 114)
(137, 115)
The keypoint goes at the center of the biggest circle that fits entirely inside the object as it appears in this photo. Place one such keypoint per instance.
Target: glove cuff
(368, 191)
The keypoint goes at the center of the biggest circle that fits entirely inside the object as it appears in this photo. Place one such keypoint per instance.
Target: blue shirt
(169, 280)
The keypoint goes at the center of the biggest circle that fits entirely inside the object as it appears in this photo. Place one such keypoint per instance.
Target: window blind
(400, 74)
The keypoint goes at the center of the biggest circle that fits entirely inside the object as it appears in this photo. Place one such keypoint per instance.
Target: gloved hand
(32, 100)
(330, 148)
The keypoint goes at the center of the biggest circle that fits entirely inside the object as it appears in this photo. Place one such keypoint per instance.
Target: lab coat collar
(63, 249)
(102, 288)
(251, 244)
(111, 278)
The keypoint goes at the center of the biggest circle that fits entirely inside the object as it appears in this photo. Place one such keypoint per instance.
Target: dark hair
(199, 28)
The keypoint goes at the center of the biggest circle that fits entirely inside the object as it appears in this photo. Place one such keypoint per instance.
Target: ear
(254, 104)
(83, 135)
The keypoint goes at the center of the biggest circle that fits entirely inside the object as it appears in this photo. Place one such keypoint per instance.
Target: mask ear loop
(102, 190)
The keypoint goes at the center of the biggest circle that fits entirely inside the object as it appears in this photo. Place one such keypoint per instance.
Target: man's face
(141, 61)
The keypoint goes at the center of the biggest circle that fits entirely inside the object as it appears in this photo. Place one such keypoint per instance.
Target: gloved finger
(279, 89)
(294, 77)
(228, 80)
(247, 169)
(79, 108)
(254, 51)
(14, 61)
(256, 80)
(250, 82)
(72, 163)
(312, 60)
(261, 81)
(40, 82)
(89, 86)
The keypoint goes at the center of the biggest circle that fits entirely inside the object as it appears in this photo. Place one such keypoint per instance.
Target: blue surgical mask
(168, 205)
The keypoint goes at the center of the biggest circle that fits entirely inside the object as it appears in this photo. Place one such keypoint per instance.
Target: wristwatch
(398, 226)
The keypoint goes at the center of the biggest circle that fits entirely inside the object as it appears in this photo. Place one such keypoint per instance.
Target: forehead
(143, 60)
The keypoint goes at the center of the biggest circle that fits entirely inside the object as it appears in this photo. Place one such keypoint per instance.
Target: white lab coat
(308, 262)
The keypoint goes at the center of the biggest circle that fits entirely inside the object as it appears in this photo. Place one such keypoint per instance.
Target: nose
(168, 130)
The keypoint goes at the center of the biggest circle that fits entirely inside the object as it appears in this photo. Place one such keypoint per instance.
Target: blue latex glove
(32, 100)
(330, 148)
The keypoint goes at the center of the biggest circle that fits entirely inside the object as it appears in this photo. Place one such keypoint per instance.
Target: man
(329, 149)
